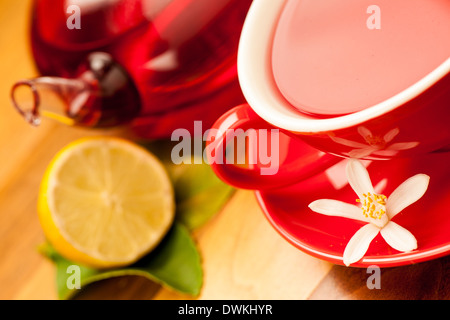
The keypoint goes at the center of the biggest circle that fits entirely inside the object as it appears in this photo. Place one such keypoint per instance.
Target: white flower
(376, 209)
(375, 145)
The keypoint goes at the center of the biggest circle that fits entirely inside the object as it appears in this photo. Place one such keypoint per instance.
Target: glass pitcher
(152, 65)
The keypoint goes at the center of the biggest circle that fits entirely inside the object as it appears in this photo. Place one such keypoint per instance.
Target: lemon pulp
(105, 202)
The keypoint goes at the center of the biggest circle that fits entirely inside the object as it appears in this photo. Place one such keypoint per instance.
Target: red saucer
(326, 237)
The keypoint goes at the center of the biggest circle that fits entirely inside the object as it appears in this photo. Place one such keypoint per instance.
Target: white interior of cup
(260, 90)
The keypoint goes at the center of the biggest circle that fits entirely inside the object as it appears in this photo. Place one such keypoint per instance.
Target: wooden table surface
(240, 262)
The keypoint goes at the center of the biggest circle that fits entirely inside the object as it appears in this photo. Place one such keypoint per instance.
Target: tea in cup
(316, 71)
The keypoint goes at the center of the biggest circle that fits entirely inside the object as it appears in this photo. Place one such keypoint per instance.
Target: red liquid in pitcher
(178, 54)
(327, 60)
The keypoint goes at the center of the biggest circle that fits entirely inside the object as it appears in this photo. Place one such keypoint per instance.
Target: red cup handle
(304, 163)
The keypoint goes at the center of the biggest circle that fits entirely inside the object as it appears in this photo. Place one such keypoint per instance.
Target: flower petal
(358, 178)
(359, 243)
(364, 132)
(403, 146)
(388, 137)
(398, 237)
(337, 209)
(362, 153)
(348, 143)
(406, 194)
(386, 153)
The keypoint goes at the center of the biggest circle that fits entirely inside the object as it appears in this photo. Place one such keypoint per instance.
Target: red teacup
(412, 122)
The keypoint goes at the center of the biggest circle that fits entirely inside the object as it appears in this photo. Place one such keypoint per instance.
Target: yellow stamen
(373, 205)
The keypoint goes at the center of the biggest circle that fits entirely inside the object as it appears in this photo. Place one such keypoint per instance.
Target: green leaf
(199, 193)
(175, 264)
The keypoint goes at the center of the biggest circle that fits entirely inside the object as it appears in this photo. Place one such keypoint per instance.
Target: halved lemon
(105, 202)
